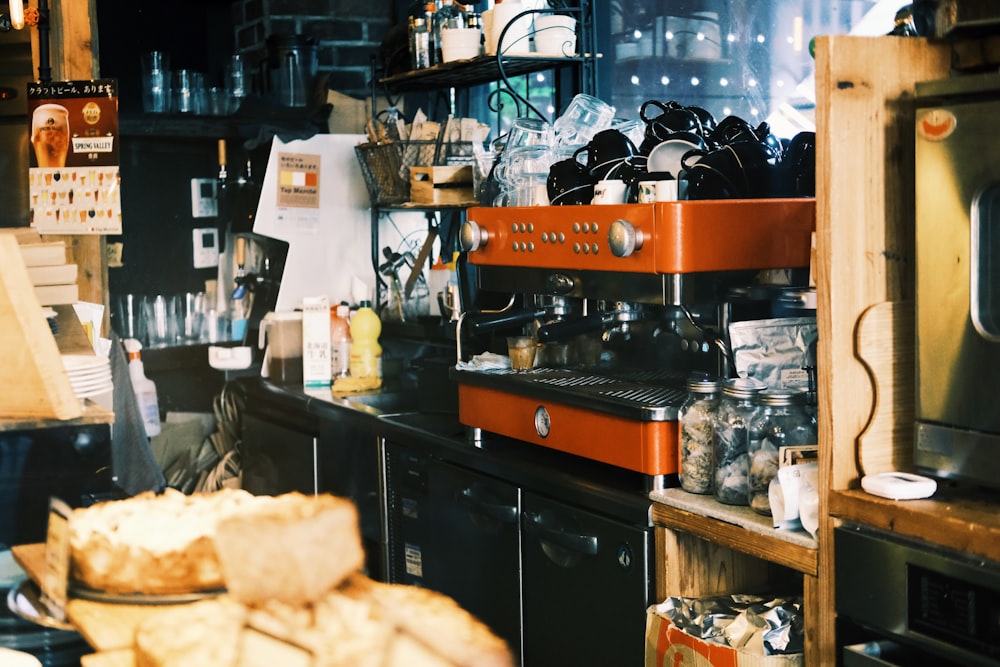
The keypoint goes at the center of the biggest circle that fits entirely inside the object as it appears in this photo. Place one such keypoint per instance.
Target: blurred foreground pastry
(295, 594)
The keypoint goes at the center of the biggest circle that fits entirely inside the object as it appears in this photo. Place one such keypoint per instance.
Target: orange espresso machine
(626, 302)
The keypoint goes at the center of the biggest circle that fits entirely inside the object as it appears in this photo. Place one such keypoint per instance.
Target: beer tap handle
(572, 327)
(482, 324)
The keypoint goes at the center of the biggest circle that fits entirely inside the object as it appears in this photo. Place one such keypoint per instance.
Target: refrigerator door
(474, 558)
(601, 622)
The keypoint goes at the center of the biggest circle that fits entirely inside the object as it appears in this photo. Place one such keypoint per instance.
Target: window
(749, 58)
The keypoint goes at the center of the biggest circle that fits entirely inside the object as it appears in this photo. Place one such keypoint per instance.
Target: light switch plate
(203, 198)
(206, 247)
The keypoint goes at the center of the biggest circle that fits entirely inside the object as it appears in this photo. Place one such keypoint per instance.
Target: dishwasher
(562, 582)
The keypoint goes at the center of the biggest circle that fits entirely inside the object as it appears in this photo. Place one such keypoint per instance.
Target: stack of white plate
(90, 376)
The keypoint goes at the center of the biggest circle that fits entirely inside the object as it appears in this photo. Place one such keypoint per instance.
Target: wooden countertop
(738, 528)
(961, 519)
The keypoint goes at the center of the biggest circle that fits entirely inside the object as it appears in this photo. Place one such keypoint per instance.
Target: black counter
(598, 486)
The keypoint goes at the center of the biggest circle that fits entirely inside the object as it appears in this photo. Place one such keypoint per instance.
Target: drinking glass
(182, 92)
(156, 82)
(160, 319)
(585, 116)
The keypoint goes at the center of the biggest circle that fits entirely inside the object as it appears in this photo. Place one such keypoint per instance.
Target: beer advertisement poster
(74, 180)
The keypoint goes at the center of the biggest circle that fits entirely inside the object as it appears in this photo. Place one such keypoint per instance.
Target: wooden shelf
(738, 528)
(92, 414)
(966, 520)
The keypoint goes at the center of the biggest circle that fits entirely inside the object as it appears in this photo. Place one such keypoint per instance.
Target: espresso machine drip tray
(627, 418)
(640, 395)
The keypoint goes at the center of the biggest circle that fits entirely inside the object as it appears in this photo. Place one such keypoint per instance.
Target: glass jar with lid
(737, 410)
(781, 421)
(697, 429)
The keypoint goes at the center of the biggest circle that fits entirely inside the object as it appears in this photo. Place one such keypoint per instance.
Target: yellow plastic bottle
(366, 353)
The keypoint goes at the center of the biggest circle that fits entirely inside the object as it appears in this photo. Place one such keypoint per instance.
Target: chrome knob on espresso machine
(624, 238)
(472, 236)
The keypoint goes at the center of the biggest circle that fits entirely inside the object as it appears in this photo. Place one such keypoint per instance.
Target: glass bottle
(420, 43)
(781, 421)
(697, 427)
(433, 46)
(737, 408)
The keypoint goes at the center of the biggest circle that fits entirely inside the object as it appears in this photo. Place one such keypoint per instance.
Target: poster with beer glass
(74, 182)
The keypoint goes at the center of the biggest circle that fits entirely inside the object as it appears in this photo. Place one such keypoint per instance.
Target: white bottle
(144, 389)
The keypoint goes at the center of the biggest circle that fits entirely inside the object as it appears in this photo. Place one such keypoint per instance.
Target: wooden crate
(442, 185)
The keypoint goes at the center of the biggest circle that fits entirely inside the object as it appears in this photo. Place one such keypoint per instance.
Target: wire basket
(386, 166)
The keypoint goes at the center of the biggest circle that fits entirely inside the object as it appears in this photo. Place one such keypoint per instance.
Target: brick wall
(348, 33)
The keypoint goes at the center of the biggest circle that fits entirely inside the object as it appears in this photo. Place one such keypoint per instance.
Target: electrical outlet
(203, 198)
(206, 247)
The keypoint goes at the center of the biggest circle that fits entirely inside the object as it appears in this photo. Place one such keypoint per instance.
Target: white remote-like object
(899, 485)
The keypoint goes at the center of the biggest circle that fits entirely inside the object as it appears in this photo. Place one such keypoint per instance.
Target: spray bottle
(144, 388)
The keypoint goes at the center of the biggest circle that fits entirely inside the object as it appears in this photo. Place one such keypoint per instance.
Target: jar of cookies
(737, 409)
(697, 429)
(781, 421)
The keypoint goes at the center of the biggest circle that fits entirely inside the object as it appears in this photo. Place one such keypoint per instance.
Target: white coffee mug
(610, 192)
(653, 191)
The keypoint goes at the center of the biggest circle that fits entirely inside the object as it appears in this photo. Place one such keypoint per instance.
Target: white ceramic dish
(666, 156)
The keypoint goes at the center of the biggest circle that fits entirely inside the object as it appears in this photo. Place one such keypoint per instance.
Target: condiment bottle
(781, 421)
(732, 439)
(697, 429)
(340, 341)
(366, 353)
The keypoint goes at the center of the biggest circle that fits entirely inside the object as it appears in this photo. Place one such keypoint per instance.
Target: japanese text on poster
(74, 180)
(298, 180)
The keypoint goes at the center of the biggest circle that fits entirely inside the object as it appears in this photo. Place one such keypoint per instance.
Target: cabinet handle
(585, 544)
(496, 511)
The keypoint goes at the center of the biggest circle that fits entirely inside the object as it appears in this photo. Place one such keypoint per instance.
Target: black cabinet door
(586, 585)
(474, 554)
(347, 465)
(277, 458)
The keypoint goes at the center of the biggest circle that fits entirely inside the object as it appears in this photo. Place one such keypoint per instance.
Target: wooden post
(864, 242)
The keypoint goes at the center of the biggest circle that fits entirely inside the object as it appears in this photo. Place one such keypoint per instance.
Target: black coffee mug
(582, 194)
(672, 117)
(712, 175)
(705, 118)
(565, 176)
(758, 162)
(742, 170)
(798, 166)
(606, 153)
(733, 129)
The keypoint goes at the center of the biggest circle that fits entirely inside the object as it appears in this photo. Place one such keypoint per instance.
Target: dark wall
(198, 35)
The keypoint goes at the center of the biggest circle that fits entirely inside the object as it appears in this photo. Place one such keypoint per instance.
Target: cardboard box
(316, 367)
(669, 646)
(442, 185)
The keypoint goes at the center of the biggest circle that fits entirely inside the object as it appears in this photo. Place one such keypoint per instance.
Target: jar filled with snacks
(781, 421)
(737, 410)
(697, 429)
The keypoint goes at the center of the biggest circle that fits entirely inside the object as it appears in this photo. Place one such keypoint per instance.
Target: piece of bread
(152, 544)
(202, 633)
(436, 621)
(294, 549)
